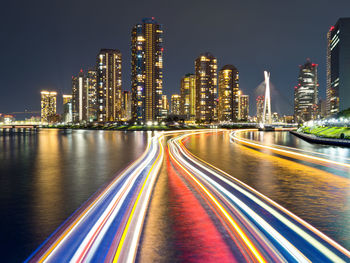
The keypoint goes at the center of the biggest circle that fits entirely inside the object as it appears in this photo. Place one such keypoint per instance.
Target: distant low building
(175, 104)
(243, 107)
(275, 117)
(322, 108)
(164, 112)
(259, 108)
(48, 105)
(8, 118)
(67, 116)
(288, 119)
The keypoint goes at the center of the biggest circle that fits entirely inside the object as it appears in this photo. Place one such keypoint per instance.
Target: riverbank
(113, 127)
(321, 140)
(327, 132)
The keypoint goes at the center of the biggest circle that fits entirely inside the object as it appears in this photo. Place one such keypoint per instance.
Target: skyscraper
(79, 97)
(147, 70)
(188, 96)
(48, 105)
(126, 105)
(306, 93)
(243, 107)
(67, 109)
(206, 87)
(109, 85)
(228, 107)
(338, 67)
(91, 85)
(260, 108)
(175, 104)
(165, 107)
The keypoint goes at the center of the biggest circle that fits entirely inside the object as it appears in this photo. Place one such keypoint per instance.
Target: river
(46, 176)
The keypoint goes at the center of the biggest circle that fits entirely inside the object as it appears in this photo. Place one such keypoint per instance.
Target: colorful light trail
(242, 224)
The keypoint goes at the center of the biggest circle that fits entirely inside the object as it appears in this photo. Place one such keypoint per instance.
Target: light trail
(109, 226)
(119, 208)
(234, 136)
(298, 241)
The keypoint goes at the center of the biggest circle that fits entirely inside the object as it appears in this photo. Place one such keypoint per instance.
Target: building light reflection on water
(319, 196)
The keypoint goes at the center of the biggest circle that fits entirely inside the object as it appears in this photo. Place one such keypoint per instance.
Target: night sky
(44, 43)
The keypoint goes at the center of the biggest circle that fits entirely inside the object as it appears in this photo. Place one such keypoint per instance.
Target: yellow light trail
(82, 215)
(245, 238)
(120, 246)
(281, 151)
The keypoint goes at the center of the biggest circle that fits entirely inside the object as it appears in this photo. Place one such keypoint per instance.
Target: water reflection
(318, 196)
(45, 177)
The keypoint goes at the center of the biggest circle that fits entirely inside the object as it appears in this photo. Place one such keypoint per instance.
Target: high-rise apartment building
(243, 107)
(228, 107)
(109, 85)
(147, 70)
(79, 97)
(306, 93)
(206, 87)
(48, 105)
(67, 109)
(126, 105)
(84, 97)
(165, 107)
(175, 104)
(91, 85)
(260, 108)
(188, 97)
(338, 67)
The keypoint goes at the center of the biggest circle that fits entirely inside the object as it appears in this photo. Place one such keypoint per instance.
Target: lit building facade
(275, 117)
(67, 109)
(243, 107)
(147, 70)
(206, 87)
(91, 85)
(188, 97)
(79, 98)
(109, 85)
(338, 67)
(175, 104)
(229, 100)
(126, 105)
(48, 105)
(306, 93)
(165, 107)
(260, 108)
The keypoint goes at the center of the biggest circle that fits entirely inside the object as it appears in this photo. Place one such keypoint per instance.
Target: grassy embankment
(328, 132)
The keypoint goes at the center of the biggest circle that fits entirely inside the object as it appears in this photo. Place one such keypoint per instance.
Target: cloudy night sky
(44, 43)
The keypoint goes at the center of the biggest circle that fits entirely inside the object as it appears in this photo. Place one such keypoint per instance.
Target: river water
(45, 177)
(319, 195)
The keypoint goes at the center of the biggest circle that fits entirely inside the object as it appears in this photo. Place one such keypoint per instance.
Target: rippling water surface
(321, 196)
(45, 177)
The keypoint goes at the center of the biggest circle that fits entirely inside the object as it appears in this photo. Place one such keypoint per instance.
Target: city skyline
(52, 75)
